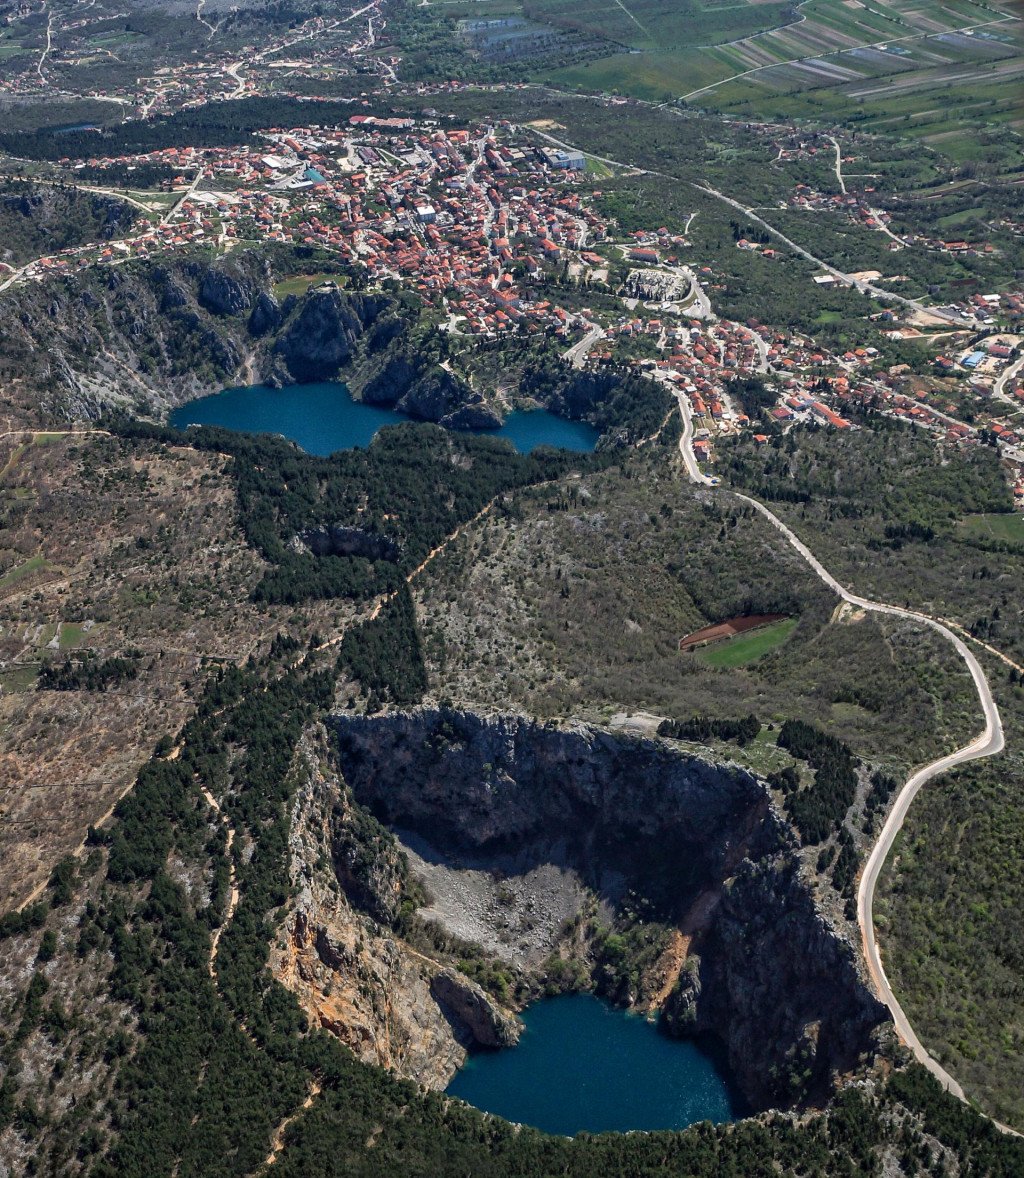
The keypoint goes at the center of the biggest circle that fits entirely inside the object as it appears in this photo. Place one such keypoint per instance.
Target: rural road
(1009, 373)
(686, 441)
(858, 284)
(987, 744)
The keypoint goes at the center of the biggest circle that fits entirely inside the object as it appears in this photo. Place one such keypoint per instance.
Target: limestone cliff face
(702, 842)
(321, 338)
(341, 540)
(609, 805)
(391, 1005)
(776, 974)
(400, 379)
(149, 335)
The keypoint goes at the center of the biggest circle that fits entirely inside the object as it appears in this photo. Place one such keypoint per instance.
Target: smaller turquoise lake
(322, 418)
(582, 1065)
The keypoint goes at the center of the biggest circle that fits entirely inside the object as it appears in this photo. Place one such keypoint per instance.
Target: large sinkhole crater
(513, 826)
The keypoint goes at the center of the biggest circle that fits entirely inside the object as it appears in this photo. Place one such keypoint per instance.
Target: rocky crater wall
(767, 974)
(338, 952)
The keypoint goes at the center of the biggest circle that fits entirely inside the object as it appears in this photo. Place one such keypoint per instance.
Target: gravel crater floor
(514, 914)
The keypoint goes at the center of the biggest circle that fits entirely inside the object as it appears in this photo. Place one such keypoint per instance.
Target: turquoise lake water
(323, 418)
(583, 1065)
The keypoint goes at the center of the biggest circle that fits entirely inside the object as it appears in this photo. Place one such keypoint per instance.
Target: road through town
(989, 742)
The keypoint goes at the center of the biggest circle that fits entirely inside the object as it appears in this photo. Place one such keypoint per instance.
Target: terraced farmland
(887, 67)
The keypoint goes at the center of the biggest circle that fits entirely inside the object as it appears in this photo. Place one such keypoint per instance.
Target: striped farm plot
(853, 34)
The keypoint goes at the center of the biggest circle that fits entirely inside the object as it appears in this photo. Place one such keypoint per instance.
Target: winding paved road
(577, 354)
(858, 284)
(989, 742)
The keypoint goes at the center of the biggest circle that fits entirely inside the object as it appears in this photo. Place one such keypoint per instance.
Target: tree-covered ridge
(889, 474)
(414, 485)
(820, 808)
(385, 654)
(213, 124)
(955, 879)
(84, 672)
(37, 219)
(704, 728)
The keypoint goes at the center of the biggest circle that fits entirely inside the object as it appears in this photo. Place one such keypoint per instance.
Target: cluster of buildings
(484, 224)
(852, 205)
(320, 46)
(460, 216)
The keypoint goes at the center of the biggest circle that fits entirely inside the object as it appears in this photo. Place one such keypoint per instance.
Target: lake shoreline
(323, 418)
(583, 1065)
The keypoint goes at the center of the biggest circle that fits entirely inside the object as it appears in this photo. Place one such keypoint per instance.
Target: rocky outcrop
(613, 806)
(148, 336)
(38, 219)
(321, 338)
(466, 1006)
(776, 974)
(340, 540)
(224, 294)
(774, 980)
(266, 315)
(339, 955)
(427, 392)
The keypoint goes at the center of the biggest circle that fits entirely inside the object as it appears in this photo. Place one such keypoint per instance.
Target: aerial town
(469, 218)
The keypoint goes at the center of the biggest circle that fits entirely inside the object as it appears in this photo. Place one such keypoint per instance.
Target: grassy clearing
(20, 572)
(989, 526)
(71, 635)
(300, 283)
(598, 170)
(18, 679)
(746, 648)
(16, 453)
(762, 755)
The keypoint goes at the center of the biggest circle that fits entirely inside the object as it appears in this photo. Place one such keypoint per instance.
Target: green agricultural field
(746, 648)
(654, 76)
(476, 9)
(869, 67)
(664, 24)
(988, 526)
(71, 634)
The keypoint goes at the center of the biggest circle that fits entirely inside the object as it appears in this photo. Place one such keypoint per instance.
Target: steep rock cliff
(776, 974)
(340, 540)
(701, 842)
(149, 335)
(351, 973)
(321, 338)
(403, 380)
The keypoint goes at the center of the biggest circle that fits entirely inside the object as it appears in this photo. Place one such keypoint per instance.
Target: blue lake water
(323, 418)
(583, 1065)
